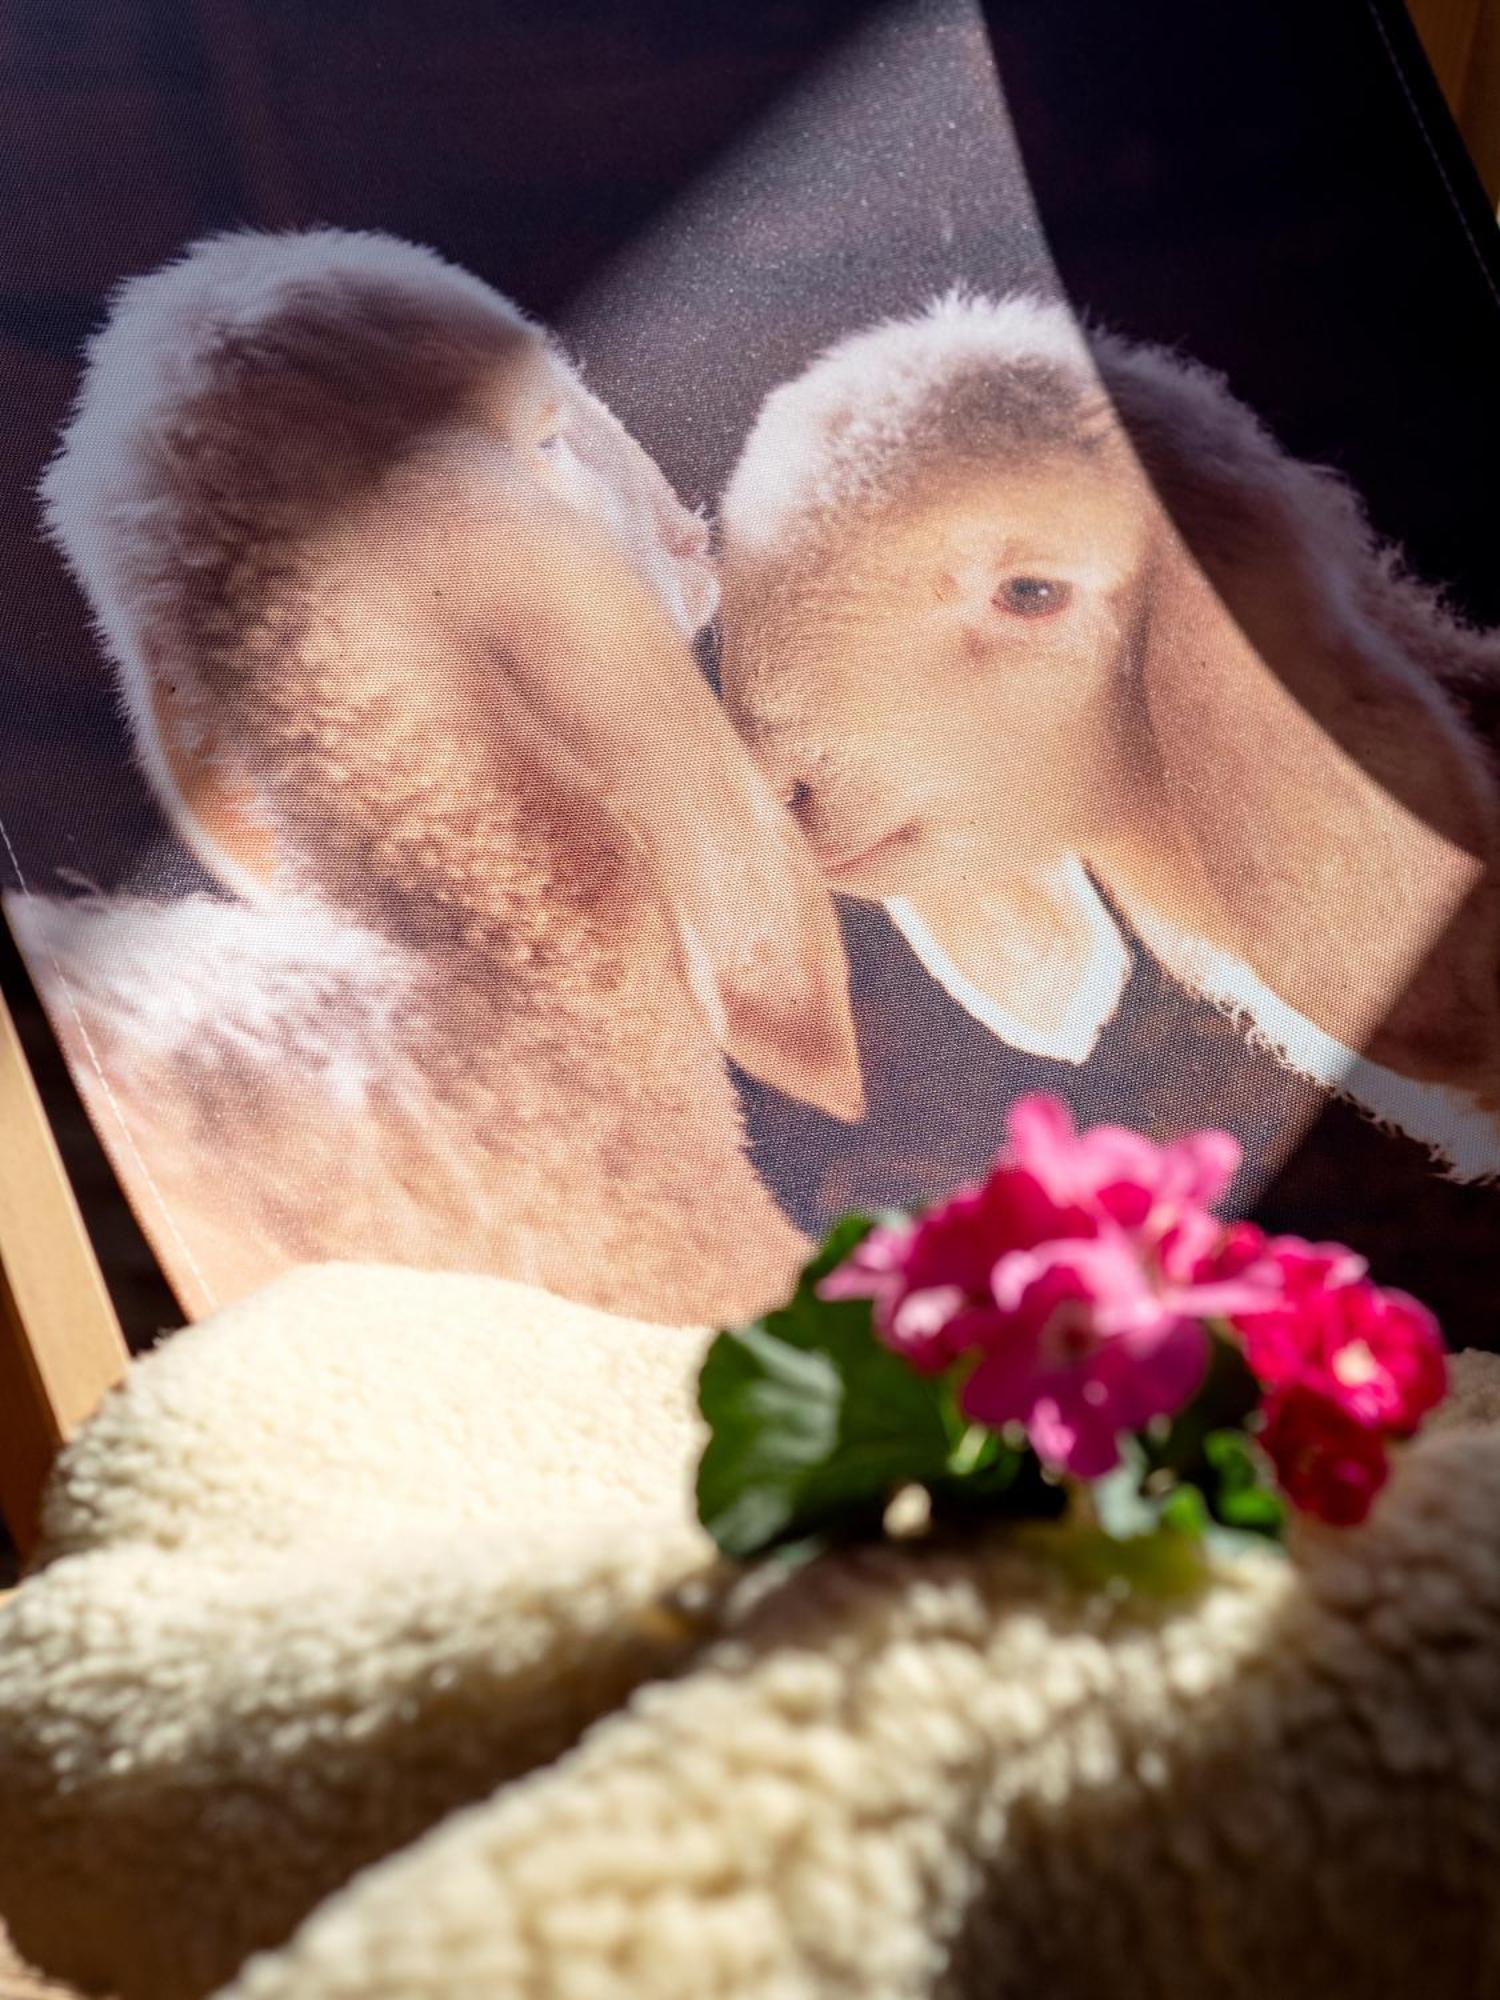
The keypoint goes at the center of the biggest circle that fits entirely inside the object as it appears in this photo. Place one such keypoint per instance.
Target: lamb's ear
(760, 939)
(1323, 797)
(1039, 959)
(616, 691)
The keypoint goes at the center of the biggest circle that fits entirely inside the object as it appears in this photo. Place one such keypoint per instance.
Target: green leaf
(1184, 1512)
(987, 1477)
(1244, 1494)
(1173, 1523)
(1228, 1396)
(1206, 1447)
(842, 1240)
(813, 1424)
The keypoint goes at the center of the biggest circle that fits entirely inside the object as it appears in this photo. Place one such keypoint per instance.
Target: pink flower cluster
(1074, 1283)
(1346, 1366)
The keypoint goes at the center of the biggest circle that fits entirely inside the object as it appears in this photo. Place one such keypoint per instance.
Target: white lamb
(401, 620)
(1037, 634)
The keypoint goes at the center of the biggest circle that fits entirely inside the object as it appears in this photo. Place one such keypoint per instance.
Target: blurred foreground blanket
(392, 1569)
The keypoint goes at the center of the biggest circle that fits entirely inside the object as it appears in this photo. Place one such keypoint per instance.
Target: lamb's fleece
(374, 1543)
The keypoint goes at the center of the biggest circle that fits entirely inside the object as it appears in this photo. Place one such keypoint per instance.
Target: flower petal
(1201, 1166)
(1041, 1137)
(1001, 1389)
(1328, 1465)
(1158, 1372)
(1072, 1436)
(921, 1326)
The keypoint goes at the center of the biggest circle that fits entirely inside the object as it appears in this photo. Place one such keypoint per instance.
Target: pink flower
(1347, 1365)
(1077, 1276)
(1377, 1354)
(1120, 1173)
(1314, 1267)
(1081, 1346)
(1329, 1464)
(926, 1278)
(1071, 1287)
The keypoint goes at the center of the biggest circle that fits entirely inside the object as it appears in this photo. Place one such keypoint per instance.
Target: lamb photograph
(587, 789)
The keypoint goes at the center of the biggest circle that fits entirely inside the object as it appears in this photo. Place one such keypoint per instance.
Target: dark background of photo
(699, 198)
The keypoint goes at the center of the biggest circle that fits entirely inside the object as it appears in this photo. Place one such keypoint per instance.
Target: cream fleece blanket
(374, 1546)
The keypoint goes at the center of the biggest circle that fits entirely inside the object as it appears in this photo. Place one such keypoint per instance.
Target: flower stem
(969, 1450)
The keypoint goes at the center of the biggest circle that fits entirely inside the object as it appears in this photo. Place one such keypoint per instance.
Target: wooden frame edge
(61, 1348)
(1462, 42)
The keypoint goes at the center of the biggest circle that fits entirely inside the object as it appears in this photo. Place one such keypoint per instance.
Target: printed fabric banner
(624, 623)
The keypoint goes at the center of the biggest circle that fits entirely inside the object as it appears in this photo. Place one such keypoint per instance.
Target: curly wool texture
(328, 1566)
(896, 1773)
(904, 1775)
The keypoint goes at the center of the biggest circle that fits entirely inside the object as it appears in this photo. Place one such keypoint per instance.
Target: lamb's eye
(1033, 596)
(550, 442)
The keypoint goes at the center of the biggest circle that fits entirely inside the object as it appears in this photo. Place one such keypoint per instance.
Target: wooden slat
(1479, 112)
(1448, 29)
(1462, 40)
(60, 1343)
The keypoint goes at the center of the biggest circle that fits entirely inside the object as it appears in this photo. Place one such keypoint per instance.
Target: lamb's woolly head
(251, 310)
(273, 411)
(968, 375)
(296, 369)
(228, 388)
